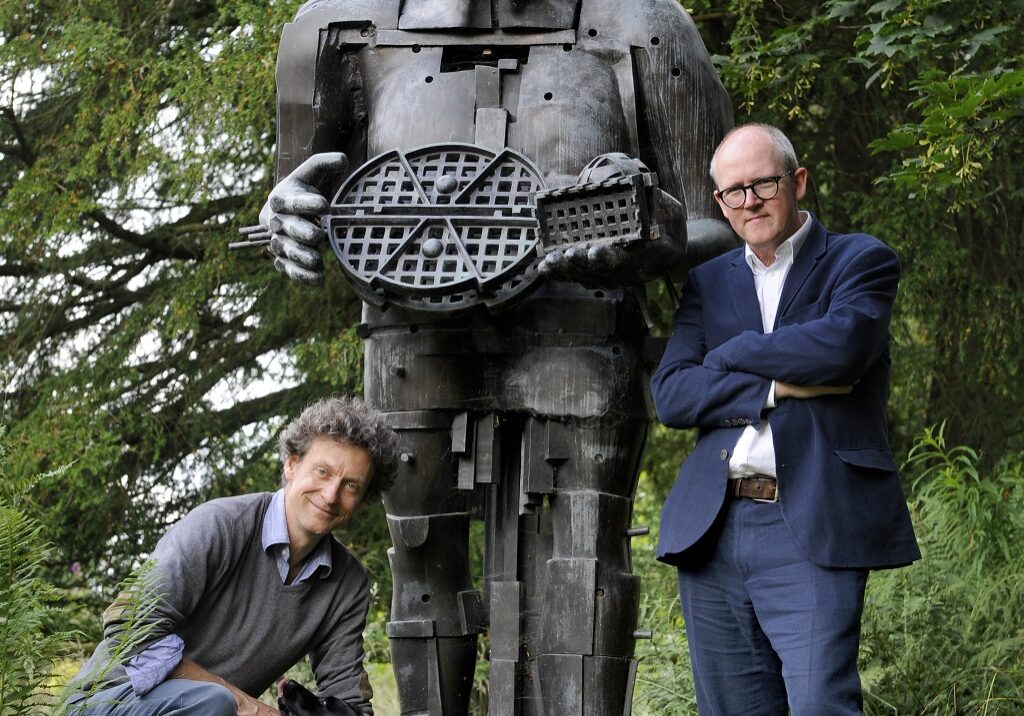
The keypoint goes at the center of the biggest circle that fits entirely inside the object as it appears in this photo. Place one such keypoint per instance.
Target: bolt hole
(676, 72)
(429, 79)
(599, 458)
(598, 294)
(600, 592)
(655, 40)
(425, 598)
(413, 328)
(416, 48)
(567, 47)
(548, 96)
(592, 32)
(616, 350)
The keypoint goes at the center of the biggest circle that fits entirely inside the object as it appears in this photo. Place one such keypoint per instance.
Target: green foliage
(946, 636)
(28, 651)
(664, 682)
(135, 138)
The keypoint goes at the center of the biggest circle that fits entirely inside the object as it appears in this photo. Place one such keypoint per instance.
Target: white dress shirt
(755, 450)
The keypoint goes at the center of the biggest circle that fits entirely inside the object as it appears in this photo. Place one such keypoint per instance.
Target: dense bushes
(946, 636)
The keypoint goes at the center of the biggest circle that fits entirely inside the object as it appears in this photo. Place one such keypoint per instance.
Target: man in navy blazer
(780, 357)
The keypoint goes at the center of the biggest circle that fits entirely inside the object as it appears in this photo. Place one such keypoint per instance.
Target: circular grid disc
(439, 228)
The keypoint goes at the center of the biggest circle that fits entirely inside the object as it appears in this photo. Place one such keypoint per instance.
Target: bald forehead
(747, 146)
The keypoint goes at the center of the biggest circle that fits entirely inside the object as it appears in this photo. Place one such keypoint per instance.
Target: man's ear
(289, 466)
(800, 182)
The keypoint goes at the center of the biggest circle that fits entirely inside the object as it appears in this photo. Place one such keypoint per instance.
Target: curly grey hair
(349, 421)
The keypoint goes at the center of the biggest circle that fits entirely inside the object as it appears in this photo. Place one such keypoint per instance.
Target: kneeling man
(248, 585)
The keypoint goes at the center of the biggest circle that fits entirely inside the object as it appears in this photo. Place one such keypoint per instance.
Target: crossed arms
(827, 354)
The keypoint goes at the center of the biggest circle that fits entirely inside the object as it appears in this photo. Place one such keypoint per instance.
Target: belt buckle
(772, 501)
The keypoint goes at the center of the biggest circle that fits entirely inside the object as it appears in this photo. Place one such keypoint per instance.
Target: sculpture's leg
(590, 596)
(563, 602)
(435, 614)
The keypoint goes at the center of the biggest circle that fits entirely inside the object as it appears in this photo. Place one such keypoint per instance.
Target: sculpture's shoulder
(640, 21)
(382, 13)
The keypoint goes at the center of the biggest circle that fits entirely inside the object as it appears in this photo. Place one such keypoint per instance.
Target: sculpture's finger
(296, 198)
(318, 167)
(298, 274)
(553, 265)
(577, 256)
(605, 257)
(298, 228)
(291, 250)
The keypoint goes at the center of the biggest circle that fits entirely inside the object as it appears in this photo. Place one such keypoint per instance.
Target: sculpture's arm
(315, 119)
(682, 112)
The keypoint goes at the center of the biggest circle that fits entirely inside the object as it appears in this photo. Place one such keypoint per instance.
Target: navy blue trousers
(769, 631)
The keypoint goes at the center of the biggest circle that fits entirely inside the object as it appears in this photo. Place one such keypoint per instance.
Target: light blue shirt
(151, 666)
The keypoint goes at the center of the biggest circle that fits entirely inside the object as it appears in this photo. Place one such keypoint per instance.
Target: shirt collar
(275, 535)
(787, 251)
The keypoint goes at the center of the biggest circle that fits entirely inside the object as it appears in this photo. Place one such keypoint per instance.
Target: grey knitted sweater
(223, 595)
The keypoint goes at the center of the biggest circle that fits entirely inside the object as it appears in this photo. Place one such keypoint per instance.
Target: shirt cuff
(151, 666)
(770, 400)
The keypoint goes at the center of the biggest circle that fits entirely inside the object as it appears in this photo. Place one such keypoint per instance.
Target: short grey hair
(778, 138)
(351, 422)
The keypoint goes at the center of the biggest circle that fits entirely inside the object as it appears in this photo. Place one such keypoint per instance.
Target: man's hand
(788, 390)
(247, 705)
(292, 214)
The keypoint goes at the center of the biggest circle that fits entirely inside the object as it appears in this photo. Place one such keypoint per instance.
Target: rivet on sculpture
(498, 180)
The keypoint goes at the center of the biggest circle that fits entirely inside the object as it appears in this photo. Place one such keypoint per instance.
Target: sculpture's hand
(597, 265)
(292, 214)
(609, 264)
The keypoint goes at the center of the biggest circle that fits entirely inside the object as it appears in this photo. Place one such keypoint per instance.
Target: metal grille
(615, 210)
(442, 227)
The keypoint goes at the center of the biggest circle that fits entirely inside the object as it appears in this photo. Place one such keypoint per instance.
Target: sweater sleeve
(337, 661)
(186, 559)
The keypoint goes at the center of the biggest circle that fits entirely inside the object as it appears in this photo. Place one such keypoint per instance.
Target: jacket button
(725, 454)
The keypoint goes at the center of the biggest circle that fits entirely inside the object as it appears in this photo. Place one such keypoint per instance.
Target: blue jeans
(177, 697)
(769, 630)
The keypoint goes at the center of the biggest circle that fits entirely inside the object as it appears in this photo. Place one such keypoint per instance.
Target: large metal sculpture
(504, 310)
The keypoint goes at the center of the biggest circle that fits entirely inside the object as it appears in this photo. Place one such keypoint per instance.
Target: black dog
(294, 699)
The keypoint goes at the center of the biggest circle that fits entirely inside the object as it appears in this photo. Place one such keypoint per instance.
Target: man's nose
(331, 491)
(750, 199)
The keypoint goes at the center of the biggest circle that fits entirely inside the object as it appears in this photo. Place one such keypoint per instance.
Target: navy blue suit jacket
(838, 484)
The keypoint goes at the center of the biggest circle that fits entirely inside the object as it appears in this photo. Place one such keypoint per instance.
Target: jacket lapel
(744, 295)
(810, 254)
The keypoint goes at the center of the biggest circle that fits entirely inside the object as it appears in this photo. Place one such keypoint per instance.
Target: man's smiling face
(323, 488)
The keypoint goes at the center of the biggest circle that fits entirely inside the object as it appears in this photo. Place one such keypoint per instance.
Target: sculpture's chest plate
(558, 104)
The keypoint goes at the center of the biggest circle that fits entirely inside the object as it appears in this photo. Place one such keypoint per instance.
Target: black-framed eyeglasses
(764, 189)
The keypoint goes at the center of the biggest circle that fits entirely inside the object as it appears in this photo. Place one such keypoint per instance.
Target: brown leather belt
(760, 488)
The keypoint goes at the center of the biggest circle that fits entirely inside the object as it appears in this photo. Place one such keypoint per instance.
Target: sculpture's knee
(434, 675)
(435, 613)
(588, 633)
(603, 684)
